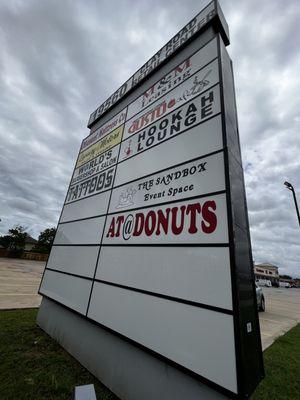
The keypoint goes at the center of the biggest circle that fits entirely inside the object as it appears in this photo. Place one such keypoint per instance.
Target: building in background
(296, 283)
(29, 242)
(267, 272)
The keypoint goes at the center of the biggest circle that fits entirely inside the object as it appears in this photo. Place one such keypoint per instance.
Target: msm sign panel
(153, 239)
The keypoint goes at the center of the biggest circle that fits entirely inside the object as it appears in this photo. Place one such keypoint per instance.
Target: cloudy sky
(60, 59)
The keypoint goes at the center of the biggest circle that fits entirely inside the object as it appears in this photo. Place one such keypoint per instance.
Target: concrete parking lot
(282, 313)
(20, 279)
(19, 283)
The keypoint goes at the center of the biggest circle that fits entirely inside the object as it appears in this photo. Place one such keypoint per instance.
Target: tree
(16, 240)
(285, 277)
(5, 241)
(45, 241)
(17, 237)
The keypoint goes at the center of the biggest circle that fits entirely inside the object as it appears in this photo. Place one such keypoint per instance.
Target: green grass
(282, 368)
(35, 367)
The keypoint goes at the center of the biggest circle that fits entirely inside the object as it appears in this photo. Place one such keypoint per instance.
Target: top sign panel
(174, 78)
(196, 25)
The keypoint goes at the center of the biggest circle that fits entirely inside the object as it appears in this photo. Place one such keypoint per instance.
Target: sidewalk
(19, 283)
(282, 313)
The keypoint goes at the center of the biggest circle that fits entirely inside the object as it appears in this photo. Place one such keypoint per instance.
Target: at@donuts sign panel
(153, 240)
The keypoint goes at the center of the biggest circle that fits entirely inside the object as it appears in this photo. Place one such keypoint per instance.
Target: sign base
(129, 372)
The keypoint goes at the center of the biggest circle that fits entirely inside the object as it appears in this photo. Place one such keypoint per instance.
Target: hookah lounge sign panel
(145, 244)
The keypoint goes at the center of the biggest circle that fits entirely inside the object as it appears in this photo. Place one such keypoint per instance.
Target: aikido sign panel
(156, 168)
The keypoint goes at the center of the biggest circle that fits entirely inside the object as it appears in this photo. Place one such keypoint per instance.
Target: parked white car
(264, 282)
(260, 298)
(285, 284)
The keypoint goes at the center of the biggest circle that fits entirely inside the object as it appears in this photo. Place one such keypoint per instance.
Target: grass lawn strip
(282, 367)
(33, 366)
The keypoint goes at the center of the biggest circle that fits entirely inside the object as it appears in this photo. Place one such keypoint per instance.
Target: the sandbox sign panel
(190, 179)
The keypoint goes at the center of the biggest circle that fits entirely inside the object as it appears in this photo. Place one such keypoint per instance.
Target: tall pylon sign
(153, 245)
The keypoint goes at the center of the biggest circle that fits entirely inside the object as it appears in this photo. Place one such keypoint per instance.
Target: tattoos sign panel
(154, 235)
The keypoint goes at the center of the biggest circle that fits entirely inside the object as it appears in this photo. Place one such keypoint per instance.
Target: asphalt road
(20, 279)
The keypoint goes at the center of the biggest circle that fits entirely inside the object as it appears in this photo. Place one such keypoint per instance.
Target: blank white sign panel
(79, 260)
(188, 273)
(88, 231)
(199, 339)
(85, 208)
(69, 290)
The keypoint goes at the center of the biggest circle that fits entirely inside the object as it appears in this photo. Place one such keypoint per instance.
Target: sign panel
(68, 290)
(76, 260)
(175, 77)
(87, 231)
(87, 208)
(91, 186)
(168, 327)
(97, 164)
(100, 147)
(129, 266)
(104, 129)
(187, 180)
(153, 239)
(194, 221)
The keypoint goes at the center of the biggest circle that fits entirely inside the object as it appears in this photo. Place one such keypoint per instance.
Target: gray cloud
(60, 60)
